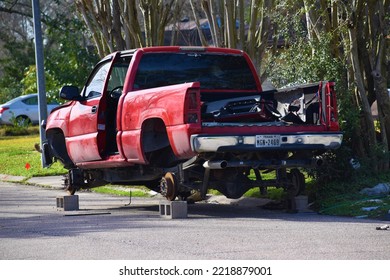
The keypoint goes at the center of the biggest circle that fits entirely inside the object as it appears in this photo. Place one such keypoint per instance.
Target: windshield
(213, 71)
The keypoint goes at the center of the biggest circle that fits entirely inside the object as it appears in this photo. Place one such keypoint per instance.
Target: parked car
(23, 110)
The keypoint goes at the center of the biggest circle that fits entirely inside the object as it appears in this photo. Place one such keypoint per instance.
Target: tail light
(333, 113)
(328, 106)
(3, 109)
(192, 106)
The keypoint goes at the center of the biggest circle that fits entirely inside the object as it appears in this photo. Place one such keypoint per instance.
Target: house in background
(185, 33)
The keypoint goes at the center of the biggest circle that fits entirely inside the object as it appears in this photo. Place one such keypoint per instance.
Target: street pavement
(110, 227)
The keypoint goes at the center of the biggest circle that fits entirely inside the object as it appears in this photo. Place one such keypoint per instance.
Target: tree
(227, 20)
(68, 58)
(127, 24)
(365, 44)
(16, 52)
(352, 33)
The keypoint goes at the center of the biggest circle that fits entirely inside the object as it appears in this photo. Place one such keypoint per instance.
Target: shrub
(18, 130)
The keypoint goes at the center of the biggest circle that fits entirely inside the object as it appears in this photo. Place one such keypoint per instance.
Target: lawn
(18, 157)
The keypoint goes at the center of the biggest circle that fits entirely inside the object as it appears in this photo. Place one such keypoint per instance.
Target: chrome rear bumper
(305, 141)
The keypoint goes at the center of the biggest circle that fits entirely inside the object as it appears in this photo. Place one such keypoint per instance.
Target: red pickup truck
(182, 120)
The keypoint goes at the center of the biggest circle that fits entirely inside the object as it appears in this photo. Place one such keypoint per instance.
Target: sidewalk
(55, 182)
(11, 178)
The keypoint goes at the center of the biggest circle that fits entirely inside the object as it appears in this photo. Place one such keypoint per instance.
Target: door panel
(82, 143)
(92, 122)
(84, 119)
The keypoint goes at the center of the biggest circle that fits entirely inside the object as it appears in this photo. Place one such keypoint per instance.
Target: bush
(18, 130)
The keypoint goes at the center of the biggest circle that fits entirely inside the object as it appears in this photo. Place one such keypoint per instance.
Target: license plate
(267, 141)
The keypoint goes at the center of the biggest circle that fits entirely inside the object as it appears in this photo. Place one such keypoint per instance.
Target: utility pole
(40, 74)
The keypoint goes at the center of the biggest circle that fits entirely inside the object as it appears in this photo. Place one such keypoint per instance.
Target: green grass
(18, 157)
(132, 191)
(343, 198)
(358, 206)
(272, 193)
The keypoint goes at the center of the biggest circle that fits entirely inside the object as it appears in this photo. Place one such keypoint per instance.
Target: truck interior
(114, 91)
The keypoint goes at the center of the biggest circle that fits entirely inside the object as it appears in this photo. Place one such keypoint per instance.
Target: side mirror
(70, 93)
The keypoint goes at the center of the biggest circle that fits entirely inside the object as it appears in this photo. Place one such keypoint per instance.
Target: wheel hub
(168, 186)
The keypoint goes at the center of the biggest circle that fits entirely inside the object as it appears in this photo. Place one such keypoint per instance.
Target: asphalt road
(106, 227)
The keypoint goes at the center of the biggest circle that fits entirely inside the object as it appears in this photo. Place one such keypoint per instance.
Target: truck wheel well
(155, 144)
(56, 140)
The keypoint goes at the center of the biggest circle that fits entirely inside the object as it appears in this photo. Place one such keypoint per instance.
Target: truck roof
(180, 49)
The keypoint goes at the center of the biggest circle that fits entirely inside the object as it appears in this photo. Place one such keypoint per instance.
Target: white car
(22, 110)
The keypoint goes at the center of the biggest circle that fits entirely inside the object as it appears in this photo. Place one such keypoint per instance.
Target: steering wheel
(116, 92)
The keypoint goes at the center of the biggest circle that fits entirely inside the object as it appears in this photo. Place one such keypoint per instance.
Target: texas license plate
(267, 141)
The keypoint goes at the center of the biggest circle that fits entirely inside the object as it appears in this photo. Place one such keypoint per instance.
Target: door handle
(94, 109)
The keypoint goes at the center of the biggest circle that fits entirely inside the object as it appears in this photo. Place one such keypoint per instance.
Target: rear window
(213, 71)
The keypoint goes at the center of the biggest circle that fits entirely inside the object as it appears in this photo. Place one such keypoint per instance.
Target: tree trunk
(378, 61)
(131, 24)
(251, 39)
(117, 25)
(367, 120)
(230, 25)
(206, 8)
(84, 8)
(263, 33)
(241, 12)
(196, 18)
(176, 18)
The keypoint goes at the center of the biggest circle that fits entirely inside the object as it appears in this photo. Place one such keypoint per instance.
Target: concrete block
(68, 202)
(173, 209)
(301, 203)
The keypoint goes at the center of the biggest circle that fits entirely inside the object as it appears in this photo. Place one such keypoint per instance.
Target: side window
(31, 101)
(118, 73)
(95, 86)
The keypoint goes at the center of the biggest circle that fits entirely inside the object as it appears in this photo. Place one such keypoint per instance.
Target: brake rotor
(169, 186)
(69, 188)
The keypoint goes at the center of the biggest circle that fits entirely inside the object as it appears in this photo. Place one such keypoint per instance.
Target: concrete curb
(11, 178)
(55, 182)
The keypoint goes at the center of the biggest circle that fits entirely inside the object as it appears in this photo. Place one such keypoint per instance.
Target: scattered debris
(368, 209)
(374, 200)
(361, 217)
(354, 163)
(152, 193)
(37, 147)
(380, 189)
(384, 227)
